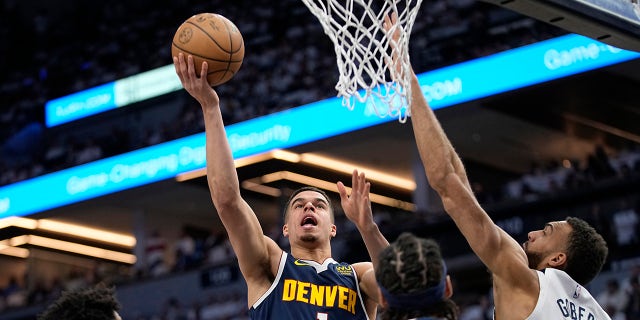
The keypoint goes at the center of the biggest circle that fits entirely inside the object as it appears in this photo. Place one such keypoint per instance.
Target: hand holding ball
(212, 38)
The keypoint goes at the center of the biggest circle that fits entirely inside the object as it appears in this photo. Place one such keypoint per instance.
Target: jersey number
(322, 316)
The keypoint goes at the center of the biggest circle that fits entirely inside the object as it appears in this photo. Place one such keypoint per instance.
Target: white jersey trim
(543, 286)
(319, 267)
(283, 260)
(364, 308)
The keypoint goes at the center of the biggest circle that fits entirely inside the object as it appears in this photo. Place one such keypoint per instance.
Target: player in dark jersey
(305, 289)
(413, 280)
(305, 284)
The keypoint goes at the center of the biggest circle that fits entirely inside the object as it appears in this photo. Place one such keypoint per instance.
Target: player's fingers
(176, 65)
(178, 61)
(354, 181)
(203, 71)
(190, 66)
(342, 190)
(367, 187)
(363, 182)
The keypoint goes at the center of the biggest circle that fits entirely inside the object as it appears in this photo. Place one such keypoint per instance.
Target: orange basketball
(212, 38)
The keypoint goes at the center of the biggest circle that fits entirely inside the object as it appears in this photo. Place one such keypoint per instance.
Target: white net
(363, 49)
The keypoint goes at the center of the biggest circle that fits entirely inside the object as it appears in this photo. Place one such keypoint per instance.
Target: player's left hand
(357, 205)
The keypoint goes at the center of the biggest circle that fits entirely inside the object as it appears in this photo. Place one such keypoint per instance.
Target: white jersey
(562, 298)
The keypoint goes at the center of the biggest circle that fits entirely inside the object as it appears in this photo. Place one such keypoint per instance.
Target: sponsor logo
(344, 270)
(300, 263)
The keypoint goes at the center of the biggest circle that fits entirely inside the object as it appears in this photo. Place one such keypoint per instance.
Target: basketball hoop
(363, 47)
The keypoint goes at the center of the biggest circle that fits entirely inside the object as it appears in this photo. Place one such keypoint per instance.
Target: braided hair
(412, 265)
(96, 303)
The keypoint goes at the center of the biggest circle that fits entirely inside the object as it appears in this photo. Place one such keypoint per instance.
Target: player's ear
(334, 230)
(558, 260)
(448, 288)
(285, 230)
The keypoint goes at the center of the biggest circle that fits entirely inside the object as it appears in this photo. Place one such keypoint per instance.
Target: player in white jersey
(519, 291)
(563, 298)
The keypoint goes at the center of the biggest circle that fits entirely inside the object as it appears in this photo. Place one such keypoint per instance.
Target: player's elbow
(225, 200)
(444, 182)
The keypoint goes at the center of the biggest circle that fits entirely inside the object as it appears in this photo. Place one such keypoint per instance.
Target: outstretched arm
(515, 284)
(254, 250)
(447, 175)
(357, 207)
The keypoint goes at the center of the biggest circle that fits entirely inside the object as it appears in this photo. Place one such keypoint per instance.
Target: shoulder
(556, 275)
(361, 268)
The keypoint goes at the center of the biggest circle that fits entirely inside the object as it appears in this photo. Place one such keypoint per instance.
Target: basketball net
(363, 49)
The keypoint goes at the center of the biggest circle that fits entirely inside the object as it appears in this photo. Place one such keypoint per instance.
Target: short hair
(307, 188)
(95, 303)
(410, 265)
(586, 251)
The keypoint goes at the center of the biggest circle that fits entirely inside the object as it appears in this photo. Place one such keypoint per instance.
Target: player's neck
(318, 254)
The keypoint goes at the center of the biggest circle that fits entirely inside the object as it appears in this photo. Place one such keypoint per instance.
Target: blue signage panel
(517, 68)
(79, 105)
(543, 61)
(119, 93)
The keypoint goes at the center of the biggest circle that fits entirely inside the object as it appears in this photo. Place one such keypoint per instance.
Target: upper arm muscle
(497, 250)
(247, 239)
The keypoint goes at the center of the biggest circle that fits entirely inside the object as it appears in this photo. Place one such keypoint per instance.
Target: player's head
(96, 303)
(308, 216)
(571, 245)
(413, 280)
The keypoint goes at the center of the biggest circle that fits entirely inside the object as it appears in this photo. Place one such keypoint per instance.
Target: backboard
(614, 22)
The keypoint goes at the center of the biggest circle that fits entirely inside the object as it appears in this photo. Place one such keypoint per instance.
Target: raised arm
(514, 282)
(253, 249)
(447, 175)
(357, 208)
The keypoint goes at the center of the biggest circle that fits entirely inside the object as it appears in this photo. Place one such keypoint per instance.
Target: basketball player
(307, 283)
(413, 281)
(542, 279)
(96, 303)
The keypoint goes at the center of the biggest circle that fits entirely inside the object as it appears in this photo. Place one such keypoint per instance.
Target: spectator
(173, 310)
(155, 250)
(633, 305)
(633, 273)
(625, 221)
(185, 249)
(613, 300)
(218, 248)
(15, 295)
(598, 164)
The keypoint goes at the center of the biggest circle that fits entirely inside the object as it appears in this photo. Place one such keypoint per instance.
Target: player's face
(544, 245)
(309, 218)
(116, 316)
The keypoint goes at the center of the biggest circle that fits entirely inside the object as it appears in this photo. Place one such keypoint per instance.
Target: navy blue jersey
(307, 290)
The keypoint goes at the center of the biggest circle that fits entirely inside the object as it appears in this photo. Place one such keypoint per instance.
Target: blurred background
(566, 147)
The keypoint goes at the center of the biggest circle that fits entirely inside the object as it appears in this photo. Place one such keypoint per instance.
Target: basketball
(212, 38)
